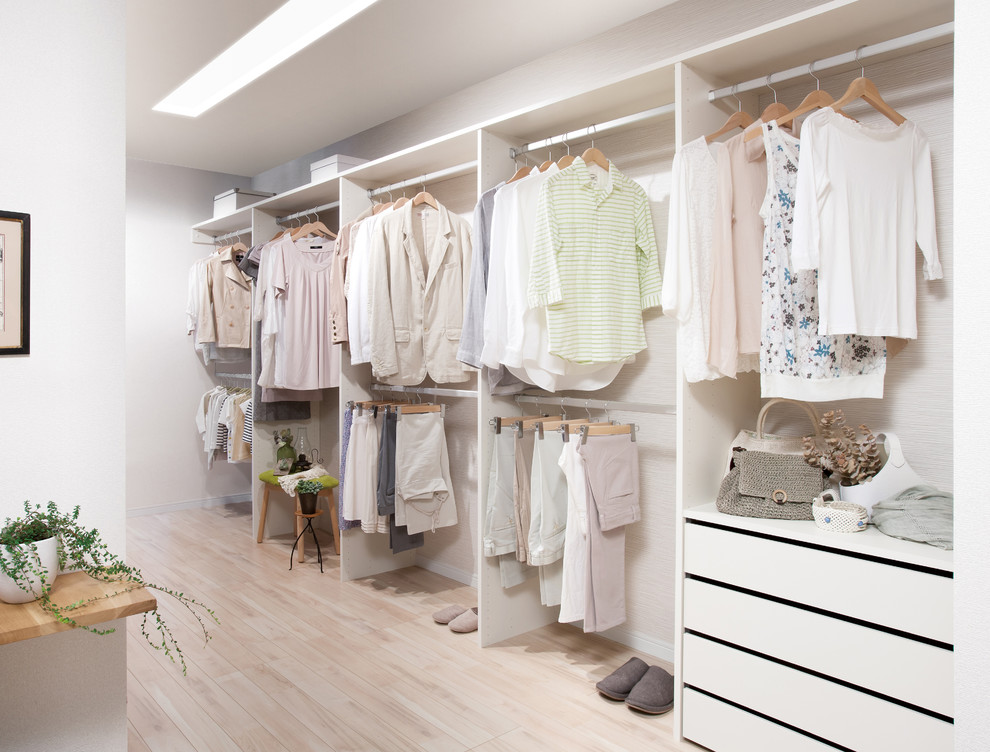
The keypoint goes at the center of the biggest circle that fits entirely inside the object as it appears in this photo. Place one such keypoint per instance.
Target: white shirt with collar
(358, 312)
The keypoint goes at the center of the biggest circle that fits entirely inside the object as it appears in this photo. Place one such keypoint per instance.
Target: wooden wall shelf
(22, 621)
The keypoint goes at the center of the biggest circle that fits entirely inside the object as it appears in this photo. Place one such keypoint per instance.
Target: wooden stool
(329, 483)
(307, 526)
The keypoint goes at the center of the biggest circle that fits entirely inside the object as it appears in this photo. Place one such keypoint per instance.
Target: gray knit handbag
(773, 486)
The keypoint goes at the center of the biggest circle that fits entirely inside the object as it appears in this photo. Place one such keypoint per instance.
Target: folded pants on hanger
(612, 478)
(424, 494)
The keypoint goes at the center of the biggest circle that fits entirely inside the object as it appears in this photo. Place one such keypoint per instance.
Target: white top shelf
(869, 542)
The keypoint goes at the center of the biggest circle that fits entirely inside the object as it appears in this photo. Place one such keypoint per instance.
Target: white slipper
(466, 622)
(448, 614)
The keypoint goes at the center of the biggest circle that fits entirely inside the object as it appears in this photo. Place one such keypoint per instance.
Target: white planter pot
(46, 559)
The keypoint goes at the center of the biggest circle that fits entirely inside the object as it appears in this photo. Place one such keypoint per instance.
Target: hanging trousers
(548, 517)
(574, 579)
(612, 479)
(500, 516)
(424, 495)
(399, 537)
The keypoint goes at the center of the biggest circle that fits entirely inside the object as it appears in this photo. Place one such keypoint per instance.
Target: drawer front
(908, 600)
(909, 670)
(828, 710)
(724, 728)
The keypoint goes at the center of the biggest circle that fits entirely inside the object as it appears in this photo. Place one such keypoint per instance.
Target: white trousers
(424, 494)
(360, 496)
(575, 574)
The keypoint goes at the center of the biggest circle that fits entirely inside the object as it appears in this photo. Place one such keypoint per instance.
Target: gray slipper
(448, 614)
(654, 693)
(618, 684)
(466, 622)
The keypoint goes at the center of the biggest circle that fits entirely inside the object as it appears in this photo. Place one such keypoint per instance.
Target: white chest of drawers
(796, 639)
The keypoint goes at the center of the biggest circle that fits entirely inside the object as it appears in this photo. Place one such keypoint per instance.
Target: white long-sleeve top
(864, 199)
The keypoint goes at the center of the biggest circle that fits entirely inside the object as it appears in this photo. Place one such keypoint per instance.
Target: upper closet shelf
(821, 32)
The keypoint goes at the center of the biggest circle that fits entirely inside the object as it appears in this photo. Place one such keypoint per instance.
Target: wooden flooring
(305, 662)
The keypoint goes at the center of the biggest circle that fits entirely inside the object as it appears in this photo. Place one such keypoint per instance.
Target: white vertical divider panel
(502, 613)
(361, 554)
(709, 413)
(280, 519)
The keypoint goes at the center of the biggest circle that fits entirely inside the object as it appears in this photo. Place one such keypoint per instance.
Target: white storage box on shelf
(332, 166)
(236, 198)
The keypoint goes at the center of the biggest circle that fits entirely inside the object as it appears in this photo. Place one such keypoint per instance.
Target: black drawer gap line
(826, 677)
(819, 547)
(766, 717)
(824, 612)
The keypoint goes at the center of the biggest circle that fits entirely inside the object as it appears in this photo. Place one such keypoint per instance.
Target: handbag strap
(808, 409)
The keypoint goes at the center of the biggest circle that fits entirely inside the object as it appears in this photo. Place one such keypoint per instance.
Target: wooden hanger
(400, 202)
(553, 424)
(817, 98)
(520, 174)
(239, 247)
(425, 197)
(864, 88)
(315, 228)
(774, 111)
(378, 208)
(595, 156)
(423, 408)
(612, 429)
(738, 119)
(545, 166)
(565, 161)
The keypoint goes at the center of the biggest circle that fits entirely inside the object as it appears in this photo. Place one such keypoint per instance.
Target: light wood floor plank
(303, 661)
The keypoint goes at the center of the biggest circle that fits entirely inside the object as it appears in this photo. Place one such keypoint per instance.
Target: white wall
(62, 161)
(971, 366)
(165, 376)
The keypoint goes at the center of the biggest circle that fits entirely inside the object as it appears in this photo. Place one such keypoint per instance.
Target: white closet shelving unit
(685, 451)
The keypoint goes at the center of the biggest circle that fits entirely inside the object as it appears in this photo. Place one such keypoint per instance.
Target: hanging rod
(633, 407)
(239, 376)
(233, 234)
(314, 210)
(592, 130)
(431, 177)
(856, 56)
(430, 390)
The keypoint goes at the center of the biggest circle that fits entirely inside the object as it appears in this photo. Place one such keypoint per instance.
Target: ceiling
(394, 57)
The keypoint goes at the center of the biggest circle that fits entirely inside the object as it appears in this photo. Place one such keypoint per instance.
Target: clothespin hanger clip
(565, 432)
(496, 423)
(518, 426)
(584, 434)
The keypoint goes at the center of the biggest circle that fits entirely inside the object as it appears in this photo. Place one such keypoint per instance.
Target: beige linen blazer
(225, 308)
(420, 265)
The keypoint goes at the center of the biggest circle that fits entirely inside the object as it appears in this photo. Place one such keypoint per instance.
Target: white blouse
(864, 199)
(687, 274)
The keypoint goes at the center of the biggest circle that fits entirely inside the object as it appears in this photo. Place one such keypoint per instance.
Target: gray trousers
(612, 480)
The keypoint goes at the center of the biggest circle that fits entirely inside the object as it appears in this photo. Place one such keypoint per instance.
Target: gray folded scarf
(919, 513)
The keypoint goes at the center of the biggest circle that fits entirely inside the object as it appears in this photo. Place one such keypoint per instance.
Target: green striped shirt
(595, 264)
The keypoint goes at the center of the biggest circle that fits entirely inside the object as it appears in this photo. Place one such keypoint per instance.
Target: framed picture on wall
(15, 282)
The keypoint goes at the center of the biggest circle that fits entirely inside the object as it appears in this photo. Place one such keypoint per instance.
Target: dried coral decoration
(851, 457)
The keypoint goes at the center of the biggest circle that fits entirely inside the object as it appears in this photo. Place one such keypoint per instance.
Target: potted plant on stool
(25, 563)
(307, 490)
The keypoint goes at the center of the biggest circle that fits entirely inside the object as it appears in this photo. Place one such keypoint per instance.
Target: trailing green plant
(83, 549)
(309, 487)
